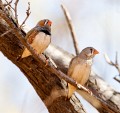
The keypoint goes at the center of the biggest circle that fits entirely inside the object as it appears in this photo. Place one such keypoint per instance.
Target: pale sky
(96, 24)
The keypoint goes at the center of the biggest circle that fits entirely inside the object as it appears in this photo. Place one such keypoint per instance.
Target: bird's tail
(71, 90)
(26, 53)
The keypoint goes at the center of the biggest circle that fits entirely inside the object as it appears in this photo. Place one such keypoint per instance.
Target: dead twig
(16, 15)
(69, 21)
(51, 68)
(116, 65)
(27, 15)
(117, 79)
(8, 3)
(15, 10)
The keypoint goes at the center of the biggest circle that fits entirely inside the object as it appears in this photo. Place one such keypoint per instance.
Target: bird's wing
(71, 66)
(31, 35)
(79, 71)
(71, 88)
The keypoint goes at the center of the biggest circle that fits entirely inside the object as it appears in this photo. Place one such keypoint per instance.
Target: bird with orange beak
(80, 68)
(39, 37)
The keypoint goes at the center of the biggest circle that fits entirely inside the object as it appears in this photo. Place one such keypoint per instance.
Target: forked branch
(115, 64)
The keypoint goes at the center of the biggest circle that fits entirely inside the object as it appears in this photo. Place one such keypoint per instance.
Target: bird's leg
(84, 88)
(47, 59)
(35, 51)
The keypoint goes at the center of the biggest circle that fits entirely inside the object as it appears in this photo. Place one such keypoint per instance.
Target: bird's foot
(46, 62)
(35, 51)
(47, 59)
(84, 88)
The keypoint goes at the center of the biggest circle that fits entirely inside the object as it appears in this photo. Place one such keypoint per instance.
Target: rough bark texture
(41, 79)
(44, 81)
(48, 85)
(105, 99)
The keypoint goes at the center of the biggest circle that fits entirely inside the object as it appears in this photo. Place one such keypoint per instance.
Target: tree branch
(69, 21)
(105, 99)
(16, 15)
(45, 70)
(116, 65)
(45, 82)
(27, 15)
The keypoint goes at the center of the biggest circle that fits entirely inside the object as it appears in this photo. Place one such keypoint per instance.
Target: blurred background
(96, 23)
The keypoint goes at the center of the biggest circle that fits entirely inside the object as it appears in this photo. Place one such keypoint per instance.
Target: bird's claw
(46, 62)
(84, 88)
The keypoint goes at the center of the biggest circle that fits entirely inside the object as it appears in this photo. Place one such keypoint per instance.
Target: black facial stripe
(91, 50)
(46, 32)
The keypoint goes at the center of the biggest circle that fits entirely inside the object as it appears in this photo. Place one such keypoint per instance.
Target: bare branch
(8, 3)
(116, 65)
(50, 67)
(116, 58)
(27, 15)
(108, 59)
(69, 21)
(117, 79)
(16, 16)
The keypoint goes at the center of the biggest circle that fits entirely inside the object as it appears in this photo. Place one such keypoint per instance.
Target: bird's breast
(41, 42)
(89, 62)
(81, 73)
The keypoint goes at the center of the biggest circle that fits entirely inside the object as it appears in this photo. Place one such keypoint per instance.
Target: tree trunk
(48, 86)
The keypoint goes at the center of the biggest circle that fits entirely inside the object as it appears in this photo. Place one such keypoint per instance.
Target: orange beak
(95, 52)
(49, 23)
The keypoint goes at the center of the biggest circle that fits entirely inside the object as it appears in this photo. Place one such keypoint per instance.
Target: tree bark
(48, 86)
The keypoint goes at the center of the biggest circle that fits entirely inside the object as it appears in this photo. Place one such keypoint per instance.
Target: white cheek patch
(45, 22)
(89, 62)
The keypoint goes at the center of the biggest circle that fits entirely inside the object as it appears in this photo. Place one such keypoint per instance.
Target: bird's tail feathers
(71, 90)
(26, 53)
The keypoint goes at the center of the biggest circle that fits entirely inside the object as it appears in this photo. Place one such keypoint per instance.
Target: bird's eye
(91, 50)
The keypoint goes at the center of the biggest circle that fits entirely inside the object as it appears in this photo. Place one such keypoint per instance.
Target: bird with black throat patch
(38, 37)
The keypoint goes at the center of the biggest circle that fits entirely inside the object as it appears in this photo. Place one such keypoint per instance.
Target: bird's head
(45, 24)
(88, 53)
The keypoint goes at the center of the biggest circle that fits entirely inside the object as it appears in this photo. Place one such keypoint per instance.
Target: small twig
(15, 9)
(28, 14)
(69, 21)
(116, 65)
(6, 33)
(116, 59)
(19, 35)
(8, 3)
(118, 80)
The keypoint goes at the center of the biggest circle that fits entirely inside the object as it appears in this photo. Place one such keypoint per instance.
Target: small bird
(80, 67)
(39, 37)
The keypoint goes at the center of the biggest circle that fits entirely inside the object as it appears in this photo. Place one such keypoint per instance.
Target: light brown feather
(79, 70)
(39, 43)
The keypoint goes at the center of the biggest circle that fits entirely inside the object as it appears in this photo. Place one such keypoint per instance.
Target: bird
(38, 37)
(80, 68)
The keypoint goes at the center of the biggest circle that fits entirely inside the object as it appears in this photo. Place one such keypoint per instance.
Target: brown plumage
(39, 37)
(80, 67)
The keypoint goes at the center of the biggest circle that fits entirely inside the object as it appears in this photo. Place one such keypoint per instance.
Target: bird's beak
(95, 52)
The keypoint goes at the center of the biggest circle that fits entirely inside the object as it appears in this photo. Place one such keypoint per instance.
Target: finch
(80, 68)
(39, 37)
